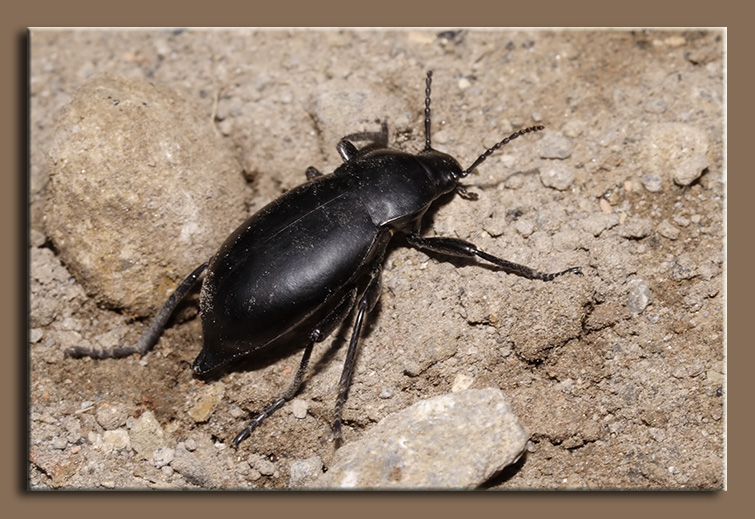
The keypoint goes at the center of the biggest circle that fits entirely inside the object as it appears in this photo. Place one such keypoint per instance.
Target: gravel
(618, 374)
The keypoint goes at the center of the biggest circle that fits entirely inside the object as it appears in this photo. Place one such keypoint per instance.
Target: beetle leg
(156, 327)
(323, 329)
(366, 304)
(379, 139)
(466, 195)
(347, 150)
(312, 173)
(464, 249)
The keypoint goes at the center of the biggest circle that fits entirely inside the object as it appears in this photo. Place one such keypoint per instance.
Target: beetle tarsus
(243, 435)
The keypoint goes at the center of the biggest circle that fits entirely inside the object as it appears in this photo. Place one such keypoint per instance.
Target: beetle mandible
(318, 251)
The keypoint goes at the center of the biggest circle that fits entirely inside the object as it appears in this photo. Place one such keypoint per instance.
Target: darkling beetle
(319, 249)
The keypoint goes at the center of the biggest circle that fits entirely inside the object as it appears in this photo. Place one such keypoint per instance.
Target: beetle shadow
(287, 345)
(293, 343)
(427, 224)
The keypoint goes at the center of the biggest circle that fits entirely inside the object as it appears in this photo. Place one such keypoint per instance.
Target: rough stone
(639, 296)
(111, 415)
(190, 467)
(557, 175)
(457, 440)
(135, 167)
(676, 149)
(146, 434)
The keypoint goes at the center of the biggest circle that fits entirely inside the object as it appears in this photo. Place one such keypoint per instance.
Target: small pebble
(163, 456)
(652, 182)
(299, 408)
(524, 227)
(35, 334)
(636, 227)
(386, 393)
(557, 175)
(555, 146)
(111, 415)
(596, 223)
(639, 296)
(115, 439)
(681, 221)
(146, 434)
(667, 230)
(190, 467)
(261, 464)
(304, 471)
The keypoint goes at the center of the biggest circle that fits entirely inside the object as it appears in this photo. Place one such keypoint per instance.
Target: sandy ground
(618, 374)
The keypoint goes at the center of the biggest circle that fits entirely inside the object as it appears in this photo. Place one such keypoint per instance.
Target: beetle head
(443, 168)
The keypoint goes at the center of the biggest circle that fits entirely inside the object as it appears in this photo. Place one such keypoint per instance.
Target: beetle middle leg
(464, 249)
(323, 329)
(366, 304)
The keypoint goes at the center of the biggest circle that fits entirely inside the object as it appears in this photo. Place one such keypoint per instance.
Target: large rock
(457, 440)
(142, 190)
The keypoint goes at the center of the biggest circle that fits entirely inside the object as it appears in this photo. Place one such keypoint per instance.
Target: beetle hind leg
(152, 334)
(323, 329)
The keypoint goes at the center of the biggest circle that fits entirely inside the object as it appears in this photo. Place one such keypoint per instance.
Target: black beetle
(319, 249)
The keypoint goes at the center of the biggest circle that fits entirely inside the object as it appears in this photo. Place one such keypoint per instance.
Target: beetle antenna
(428, 81)
(507, 140)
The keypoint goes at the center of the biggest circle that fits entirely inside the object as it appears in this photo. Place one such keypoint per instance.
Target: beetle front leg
(464, 249)
(323, 329)
(366, 304)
